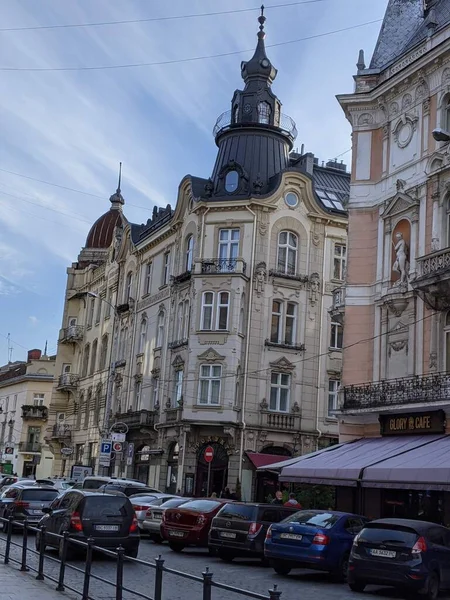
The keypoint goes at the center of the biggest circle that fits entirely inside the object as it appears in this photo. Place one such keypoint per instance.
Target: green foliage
(321, 497)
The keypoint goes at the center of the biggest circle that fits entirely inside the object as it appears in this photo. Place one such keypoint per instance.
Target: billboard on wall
(79, 472)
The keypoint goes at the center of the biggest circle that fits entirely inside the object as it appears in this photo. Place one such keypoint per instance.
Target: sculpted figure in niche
(401, 263)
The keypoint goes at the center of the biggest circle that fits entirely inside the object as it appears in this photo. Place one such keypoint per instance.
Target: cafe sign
(413, 423)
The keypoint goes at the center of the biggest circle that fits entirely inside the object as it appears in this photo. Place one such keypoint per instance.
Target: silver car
(153, 517)
(142, 502)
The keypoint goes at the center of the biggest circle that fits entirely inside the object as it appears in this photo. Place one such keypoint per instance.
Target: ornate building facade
(216, 323)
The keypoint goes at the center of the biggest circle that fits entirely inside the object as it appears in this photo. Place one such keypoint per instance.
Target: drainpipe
(247, 346)
(133, 334)
(319, 370)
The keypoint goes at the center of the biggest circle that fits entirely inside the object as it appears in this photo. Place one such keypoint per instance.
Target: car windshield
(239, 512)
(382, 534)
(174, 503)
(95, 506)
(138, 499)
(39, 495)
(324, 520)
(92, 484)
(203, 506)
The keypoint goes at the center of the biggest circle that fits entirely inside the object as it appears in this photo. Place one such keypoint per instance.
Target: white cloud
(33, 320)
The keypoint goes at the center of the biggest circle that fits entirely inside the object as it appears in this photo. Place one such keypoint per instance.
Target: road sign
(209, 454)
(117, 446)
(105, 453)
(66, 451)
(130, 454)
(118, 437)
(9, 450)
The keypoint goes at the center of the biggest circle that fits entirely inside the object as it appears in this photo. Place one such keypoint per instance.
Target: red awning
(264, 460)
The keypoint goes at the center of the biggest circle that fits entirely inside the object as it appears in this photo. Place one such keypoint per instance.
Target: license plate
(106, 528)
(228, 534)
(383, 553)
(178, 534)
(156, 517)
(291, 536)
(35, 512)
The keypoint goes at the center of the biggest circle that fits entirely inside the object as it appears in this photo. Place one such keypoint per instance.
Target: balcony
(173, 415)
(286, 125)
(177, 279)
(30, 447)
(61, 432)
(72, 334)
(292, 276)
(280, 421)
(419, 389)
(432, 283)
(337, 310)
(178, 344)
(220, 266)
(295, 347)
(68, 382)
(29, 411)
(136, 419)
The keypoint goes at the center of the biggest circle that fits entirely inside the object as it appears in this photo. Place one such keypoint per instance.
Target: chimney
(34, 355)
(334, 164)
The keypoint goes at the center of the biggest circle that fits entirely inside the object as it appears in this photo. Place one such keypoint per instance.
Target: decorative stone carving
(400, 184)
(315, 239)
(394, 108)
(397, 346)
(211, 355)
(282, 364)
(263, 404)
(397, 305)
(406, 101)
(258, 184)
(260, 278)
(446, 76)
(426, 107)
(421, 90)
(295, 408)
(433, 361)
(365, 119)
(404, 130)
(401, 263)
(314, 288)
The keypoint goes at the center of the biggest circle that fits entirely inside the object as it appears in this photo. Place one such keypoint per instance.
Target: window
(108, 304)
(155, 400)
(340, 261)
(330, 200)
(87, 409)
(80, 409)
(333, 388)
(91, 312)
(446, 114)
(284, 323)
(231, 181)
(242, 314)
(447, 342)
(38, 399)
(123, 343)
(103, 352)
(99, 311)
(166, 268)
(264, 113)
(6, 404)
(336, 336)
(186, 320)
(177, 388)
(128, 287)
(15, 402)
(223, 302)
(236, 113)
(160, 329)
(291, 199)
(180, 321)
(93, 356)
(207, 311)
(137, 395)
(209, 391)
(142, 336)
(189, 252)
(84, 370)
(280, 387)
(287, 253)
(228, 248)
(148, 277)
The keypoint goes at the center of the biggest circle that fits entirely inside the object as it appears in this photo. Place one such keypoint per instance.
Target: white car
(142, 502)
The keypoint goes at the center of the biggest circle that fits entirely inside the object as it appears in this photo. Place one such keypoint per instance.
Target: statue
(260, 277)
(314, 286)
(401, 263)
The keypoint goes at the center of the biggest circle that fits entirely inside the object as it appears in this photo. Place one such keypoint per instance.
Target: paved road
(246, 574)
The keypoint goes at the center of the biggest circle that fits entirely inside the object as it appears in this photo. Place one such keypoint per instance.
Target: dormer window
(231, 181)
(236, 113)
(264, 113)
(446, 114)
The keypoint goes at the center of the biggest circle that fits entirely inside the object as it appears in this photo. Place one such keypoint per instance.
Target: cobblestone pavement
(244, 574)
(15, 585)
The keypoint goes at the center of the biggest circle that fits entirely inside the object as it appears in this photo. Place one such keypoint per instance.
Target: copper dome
(102, 231)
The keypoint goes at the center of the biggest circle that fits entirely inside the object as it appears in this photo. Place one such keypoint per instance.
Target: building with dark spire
(221, 333)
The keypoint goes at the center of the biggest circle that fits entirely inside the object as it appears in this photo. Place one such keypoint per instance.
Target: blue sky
(72, 128)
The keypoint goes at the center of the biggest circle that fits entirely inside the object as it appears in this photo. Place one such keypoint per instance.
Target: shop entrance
(219, 471)
(142, 464)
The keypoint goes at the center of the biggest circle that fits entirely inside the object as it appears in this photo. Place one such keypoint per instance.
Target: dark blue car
(413, 556)
(313, 539)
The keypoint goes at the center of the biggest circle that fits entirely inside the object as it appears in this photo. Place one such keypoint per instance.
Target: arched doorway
(219, 470)
(172, 469)
(142, 464)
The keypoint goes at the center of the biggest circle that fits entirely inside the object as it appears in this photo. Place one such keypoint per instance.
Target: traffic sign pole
(209, 479)
(208, 456)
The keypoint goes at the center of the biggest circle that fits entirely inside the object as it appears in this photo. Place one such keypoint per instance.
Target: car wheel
(356, 586)
(176, 547)
(132, 552)
(156, 538)
(225, 556)
(432, 587)
(280, 568)
(340, 574)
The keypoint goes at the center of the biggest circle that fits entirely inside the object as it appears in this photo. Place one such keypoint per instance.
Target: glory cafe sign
(419, 423)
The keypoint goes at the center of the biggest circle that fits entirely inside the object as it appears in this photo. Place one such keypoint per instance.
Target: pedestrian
(226, 493)
(233, 496)
(292, 502)
(278, 498)
(213, 495)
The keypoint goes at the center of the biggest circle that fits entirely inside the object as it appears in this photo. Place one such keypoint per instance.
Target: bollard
(207, 584)
(274, 594)
(87, 569)
(40, 575)
(62, 566)
(119, 573)
(23, 566)
(159, 577)
(8, 539)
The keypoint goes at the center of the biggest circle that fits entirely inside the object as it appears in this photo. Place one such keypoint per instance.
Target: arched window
(264, 113)
(128, 286)
(447, 342)
(103, 352)
(87, 351)
(93, 356)
(231, 181)
(207, 311)
(142, 336)
(189, 252)
(287, 252)
(160, 328)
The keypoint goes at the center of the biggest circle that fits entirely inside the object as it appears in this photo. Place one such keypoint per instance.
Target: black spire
(259, 66)
(117, 199)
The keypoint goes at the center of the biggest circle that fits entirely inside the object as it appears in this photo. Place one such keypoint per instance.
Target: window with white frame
(91, 312)
(228, 248)
(38, 399)
(340, 261)
(160, 328)
(142, 336)
(166, 268)
(336, 337)
(287, 253)
(137, 395)
(264, 112)
(223, 305)
(177, 387)
(189, 253)
(284, 323)
(280, 391)
(215, 311)
(206, 322)
(7, 404)
(148, 277)
(333, 391)
(155, 393)
(209, 385)
(128, 286)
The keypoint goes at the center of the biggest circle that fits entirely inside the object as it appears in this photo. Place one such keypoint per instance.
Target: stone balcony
(280, 421)
(61, 432)
(30, 447)
(30, 411)
(432, 283)
(136, 419)
(72, 334)
(68, 382)
(429, 390)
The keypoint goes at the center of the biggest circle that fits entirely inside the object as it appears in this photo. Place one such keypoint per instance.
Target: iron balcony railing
(68, 381)
(223, 265)
(31, 447)
(29, 411)
(61, 431)
(286, 124)
(418, 389)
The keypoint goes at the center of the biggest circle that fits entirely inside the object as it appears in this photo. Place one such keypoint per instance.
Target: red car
(189, 524)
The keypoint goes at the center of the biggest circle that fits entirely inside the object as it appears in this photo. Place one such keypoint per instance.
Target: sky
(71, 128)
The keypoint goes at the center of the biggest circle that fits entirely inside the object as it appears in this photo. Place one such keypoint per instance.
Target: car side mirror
(47, 510)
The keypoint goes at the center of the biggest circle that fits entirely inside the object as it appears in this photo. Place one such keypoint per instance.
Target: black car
(129, 488)
(25, 502)
(239, 529)
(108, 519)
(413, 556)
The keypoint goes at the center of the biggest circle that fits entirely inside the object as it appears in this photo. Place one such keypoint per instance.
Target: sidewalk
(16, 585)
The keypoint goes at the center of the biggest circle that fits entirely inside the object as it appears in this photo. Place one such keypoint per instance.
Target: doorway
(218, 471)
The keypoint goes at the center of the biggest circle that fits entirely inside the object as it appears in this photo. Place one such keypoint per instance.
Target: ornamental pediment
(282, 364)
(401, 203)
(211, 354)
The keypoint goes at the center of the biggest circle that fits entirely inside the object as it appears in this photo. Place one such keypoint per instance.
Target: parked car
(411, 555)
(153, 517)
(189, 524)
(108, 519)
(129, 488)
(58, 483)
(25, 502)
(239, 529)
(7, 480)
(313, 539)
(142, 502)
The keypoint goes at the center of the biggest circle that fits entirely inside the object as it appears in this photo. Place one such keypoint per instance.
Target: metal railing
(30, 411)
(67, 544)
(225, 121)
(30, 447)
(68, 381)
(223, 265)
(137, 418)
(435, 262)
(73, 333)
